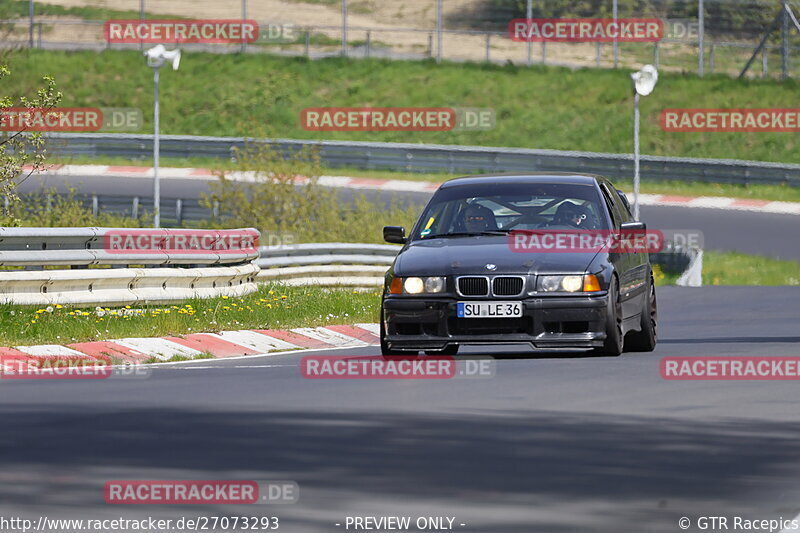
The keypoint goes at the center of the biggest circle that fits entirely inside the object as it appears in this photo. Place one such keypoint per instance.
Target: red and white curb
(239, 343)
(707, 202)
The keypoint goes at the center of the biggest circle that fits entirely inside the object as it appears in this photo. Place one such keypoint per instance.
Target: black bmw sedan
(508, 259)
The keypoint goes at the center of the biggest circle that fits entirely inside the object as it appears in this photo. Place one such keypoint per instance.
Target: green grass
(271, 307)
(733, 268)
(537, 107)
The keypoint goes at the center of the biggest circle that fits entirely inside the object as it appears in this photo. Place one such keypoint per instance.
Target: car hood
(470, 255)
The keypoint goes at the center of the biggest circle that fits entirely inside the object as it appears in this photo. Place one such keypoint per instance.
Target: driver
(478, 218)
(571, 214)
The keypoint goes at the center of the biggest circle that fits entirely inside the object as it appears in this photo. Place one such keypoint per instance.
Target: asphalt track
(767, 234)
(551, 443)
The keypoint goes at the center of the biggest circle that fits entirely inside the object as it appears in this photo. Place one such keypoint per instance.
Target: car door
(631, 266)
(633, 291)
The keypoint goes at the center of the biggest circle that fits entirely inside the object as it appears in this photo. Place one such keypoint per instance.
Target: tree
(21, 148)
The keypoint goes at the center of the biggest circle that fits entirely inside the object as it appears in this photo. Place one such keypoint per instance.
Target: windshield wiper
(468, 234)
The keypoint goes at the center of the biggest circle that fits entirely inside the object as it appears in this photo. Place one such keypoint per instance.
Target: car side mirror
(625, 200)
(636, 225)
(394, 234)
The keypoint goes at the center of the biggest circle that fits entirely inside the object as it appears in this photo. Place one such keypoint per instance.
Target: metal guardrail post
(656, 54)
(488, 45)
(308, 43)
(135, 208)
(544, 52)
(95, 205)
(597, 54)
(369, 43)
(764, 62)
(179, 211)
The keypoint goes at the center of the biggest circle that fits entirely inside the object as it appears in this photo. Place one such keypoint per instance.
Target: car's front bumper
(547, 322)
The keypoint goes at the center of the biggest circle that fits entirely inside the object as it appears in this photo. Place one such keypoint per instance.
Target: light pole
(644, 82)
(156, 57)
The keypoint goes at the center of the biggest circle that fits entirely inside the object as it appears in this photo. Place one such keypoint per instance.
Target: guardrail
(131, 277)
(327, 264)
(435, 157)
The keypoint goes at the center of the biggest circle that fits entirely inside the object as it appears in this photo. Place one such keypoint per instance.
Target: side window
(612, 205)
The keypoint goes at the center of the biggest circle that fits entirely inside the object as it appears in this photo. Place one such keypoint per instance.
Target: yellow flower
(59, 306)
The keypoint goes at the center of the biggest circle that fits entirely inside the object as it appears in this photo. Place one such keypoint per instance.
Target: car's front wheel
(613, 344)
(645, 340)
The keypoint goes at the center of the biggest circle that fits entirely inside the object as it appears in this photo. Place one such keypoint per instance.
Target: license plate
(489, 309)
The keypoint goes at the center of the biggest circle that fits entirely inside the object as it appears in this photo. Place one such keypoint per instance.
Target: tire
(387, 352)
(614, 343)
(646, 339)
(451, 349)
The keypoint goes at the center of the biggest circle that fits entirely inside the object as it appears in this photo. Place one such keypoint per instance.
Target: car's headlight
(574, 283)
(417, 285)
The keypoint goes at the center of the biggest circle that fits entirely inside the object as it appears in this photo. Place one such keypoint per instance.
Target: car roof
(572, 178)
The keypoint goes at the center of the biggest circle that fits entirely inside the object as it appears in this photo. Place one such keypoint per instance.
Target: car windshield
(500, 208)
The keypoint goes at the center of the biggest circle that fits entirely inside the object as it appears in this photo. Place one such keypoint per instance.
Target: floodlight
(645, 80)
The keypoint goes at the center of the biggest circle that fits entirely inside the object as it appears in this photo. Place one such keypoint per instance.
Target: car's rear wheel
(613, 344)
(452, 349)
(387, 352)
(646, 339)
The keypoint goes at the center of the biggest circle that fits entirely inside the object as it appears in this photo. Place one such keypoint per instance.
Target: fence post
(597, 54)
(656, 54)
(615, 16)
(95, 205)
(430, 45)
(369, 42)
(544, 52)
(488, 44)
(39, 34)
(701, 27)
(785, 39)
(30, 24)
(344, 28)
(141, 17)
(764, 62)
(215, 209)
(135, 208)
(244, 17)
(438, 31)
(529, 15)
(711, 59)
(308, 42)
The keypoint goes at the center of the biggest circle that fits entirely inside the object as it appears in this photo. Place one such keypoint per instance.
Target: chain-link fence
(703, 36)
